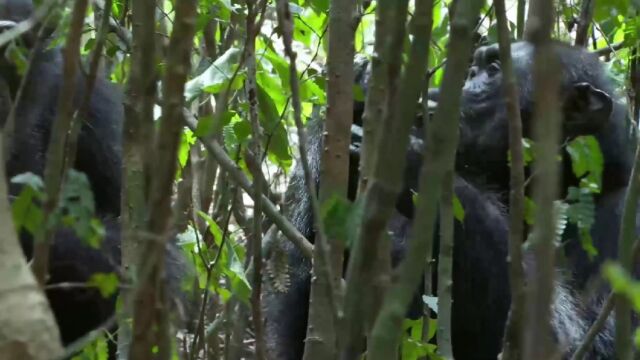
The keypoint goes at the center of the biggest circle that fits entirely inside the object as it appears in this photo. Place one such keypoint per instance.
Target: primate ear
(586, 110)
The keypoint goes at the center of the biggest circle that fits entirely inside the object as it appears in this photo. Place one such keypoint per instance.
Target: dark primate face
(585, 95)
(14, 11)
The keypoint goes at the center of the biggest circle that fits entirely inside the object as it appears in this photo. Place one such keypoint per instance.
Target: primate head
(586, 95)
(14, 11)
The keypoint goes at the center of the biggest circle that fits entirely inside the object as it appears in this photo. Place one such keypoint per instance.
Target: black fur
(99, 156)
(481, 292)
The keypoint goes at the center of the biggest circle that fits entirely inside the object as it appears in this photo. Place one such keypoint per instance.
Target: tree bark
(445, 267)
(442, 141)
(548, 118)
(54, 173)
(137, 134)
(584, 22)
(150, 325)
(512, 348)
(28, 329)
(322, 330)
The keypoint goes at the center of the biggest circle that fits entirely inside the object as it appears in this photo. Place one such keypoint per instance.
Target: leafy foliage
(216, 237)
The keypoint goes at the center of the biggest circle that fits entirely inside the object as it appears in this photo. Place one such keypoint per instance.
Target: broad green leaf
(458, 209)
(215, 76)
(107, 283)
(587, 161)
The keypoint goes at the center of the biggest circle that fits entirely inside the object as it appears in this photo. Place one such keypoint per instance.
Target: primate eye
(473, 71)
(494, 68)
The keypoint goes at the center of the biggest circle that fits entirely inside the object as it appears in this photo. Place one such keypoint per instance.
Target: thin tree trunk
(584, 22)
(547, 117)
(28, 329)
(94, 67)
(150, 327)
(520, 19)
(442, 141)
(258, 178)
(374, 110)
(623, 340)
(445, 267)
(322, 265)
(137, 134)
(54, 174)
(512, 348)
(367, 273)
(322, 330)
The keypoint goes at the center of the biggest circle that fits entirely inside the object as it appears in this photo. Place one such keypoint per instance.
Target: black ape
(79, 310)
(589, 108)
(587, 95)
(481, 292)
(484, 230)
(99, 153)
(99, 156)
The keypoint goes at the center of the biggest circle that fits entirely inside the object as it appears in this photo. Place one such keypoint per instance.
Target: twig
(611, 48)
(270, 210)
(513, 330)
(54, 169)
(595, 328)
(253, 29)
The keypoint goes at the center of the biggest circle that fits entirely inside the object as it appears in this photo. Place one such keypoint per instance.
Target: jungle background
(217, 93)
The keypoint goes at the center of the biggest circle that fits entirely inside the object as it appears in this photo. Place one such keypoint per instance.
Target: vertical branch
(27, 325)
(445, 267)
(547, 120)
(442, 141)
(321, 253)
(513, 332)
(374, 110)
(584, 22)
(54, 169)
(148, 329)
(94, 65)
(334, 173)
(634, 79)
(520, 20)
(137, 134)
(256, 136)
(624, 345)
(370, 250)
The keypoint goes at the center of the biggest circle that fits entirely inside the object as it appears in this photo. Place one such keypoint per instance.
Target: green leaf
(587, 161)
(622, 283)
(412, 345)
(320, 6)
(528, 151)
(582, 212)
(95, 350)
(335, 214)
(358, 93)
(529, 211)
(207, 125)
(26, 211)
(186, 140)
(213, 227)
(76, 209)
(230, 262)
(458, 210)
(216, 76)
(107, 283)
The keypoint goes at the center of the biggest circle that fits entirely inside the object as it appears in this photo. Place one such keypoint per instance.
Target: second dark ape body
(481, 292)
(99, 155)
